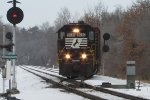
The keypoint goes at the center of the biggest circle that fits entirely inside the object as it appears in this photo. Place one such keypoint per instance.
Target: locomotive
(79, 53)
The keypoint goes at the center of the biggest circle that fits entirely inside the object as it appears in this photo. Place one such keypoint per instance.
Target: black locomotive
(79, 53)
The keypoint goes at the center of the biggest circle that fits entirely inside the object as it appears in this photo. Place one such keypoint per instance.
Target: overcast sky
(37, 12)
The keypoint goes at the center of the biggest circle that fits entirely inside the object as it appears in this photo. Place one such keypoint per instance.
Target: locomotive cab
(78, 50)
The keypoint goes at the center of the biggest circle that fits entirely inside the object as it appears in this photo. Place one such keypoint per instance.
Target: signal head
(15, 15)
(9, 47)
(9, 35)
(105, 48)
(106, 36)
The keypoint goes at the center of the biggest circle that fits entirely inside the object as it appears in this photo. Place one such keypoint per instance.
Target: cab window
(62, 35)
(91, 35)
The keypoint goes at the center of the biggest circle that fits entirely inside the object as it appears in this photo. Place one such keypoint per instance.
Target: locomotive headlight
(84, 56)
(76, 30)
(67, 56)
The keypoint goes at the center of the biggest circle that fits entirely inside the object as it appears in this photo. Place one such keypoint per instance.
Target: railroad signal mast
(105, 48)
(14, 16)
(106, 37)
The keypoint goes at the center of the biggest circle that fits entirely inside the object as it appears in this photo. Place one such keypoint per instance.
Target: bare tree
(93, 16)
(64, 17)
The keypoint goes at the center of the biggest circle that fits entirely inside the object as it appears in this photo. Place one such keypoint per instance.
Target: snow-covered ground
(34, 88)
(144, 90)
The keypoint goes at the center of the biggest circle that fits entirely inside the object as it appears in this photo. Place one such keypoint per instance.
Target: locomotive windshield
(75, 33)
(71, 34)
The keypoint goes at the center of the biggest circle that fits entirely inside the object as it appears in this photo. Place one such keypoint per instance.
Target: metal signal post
(14, 83)
(14, 3)
(3, 55)
(14, 16)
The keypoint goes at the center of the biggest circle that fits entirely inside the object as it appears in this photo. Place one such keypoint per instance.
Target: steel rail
(80, 93)
(101, 89)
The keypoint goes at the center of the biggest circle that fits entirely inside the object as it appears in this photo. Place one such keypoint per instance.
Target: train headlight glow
(84, 56)
(67, 56)
(76, 30)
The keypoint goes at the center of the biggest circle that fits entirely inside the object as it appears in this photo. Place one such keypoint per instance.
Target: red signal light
(14, 15)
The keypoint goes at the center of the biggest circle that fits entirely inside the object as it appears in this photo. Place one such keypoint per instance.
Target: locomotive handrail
(59, 54)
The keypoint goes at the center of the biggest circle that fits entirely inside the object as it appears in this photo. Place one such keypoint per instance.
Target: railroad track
(79, 88)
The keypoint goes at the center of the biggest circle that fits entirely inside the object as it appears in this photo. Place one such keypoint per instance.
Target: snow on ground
(32, 87)
(143, 92)
(97, 80)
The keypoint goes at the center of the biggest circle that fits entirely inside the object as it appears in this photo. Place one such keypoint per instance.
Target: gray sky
(37, 12)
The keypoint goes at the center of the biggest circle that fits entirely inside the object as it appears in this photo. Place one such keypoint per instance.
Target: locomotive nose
(76, 68)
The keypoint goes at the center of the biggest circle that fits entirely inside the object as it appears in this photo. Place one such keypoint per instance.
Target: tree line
(129, 30)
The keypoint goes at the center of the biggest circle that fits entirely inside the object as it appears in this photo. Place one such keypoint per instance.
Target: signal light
(106, 36)
(9, 46)
(15, 15)
(9, 36)
(105, 48)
